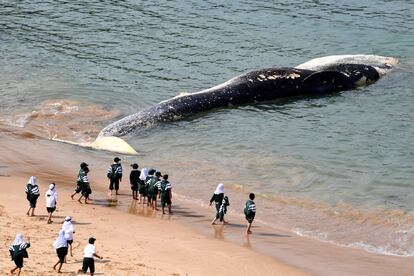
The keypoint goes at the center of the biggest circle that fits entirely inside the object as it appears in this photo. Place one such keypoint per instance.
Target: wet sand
(133, 239)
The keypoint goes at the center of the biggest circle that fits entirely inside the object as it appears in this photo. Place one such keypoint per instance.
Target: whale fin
(327, 79)
(108, 143)
(112, 143)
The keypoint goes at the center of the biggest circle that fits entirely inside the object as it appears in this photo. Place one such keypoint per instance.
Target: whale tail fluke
(108, 143)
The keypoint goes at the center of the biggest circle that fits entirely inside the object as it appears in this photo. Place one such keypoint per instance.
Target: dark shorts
(250, 218)
(62, 252)
(114, 183)
(70, 241)
(151, 196)
(143, 191)
(86, 191)
(165, 200)
(134, 187)
(33, 203)
(50, 209)
(88, 263)
(78, 189)
(32, 200)
(19, 262)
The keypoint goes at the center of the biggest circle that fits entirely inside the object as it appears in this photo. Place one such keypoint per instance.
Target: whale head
(382, 64)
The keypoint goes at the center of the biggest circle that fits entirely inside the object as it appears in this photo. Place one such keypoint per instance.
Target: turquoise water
(351, 151)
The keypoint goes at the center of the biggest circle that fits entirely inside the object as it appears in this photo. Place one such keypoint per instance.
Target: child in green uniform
(153, 190)
(18, 252)
(32, 194)
(250, 212)
(164, 192)
(218, 199)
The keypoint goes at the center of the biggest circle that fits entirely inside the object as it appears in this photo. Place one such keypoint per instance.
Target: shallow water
(343, 160)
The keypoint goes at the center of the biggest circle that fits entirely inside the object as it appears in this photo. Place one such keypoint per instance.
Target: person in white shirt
(51, 200)
(69, 230)
(89, 252)
(61, 246)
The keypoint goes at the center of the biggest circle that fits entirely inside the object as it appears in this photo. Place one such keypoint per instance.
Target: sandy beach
(130, 244)
(136, 241)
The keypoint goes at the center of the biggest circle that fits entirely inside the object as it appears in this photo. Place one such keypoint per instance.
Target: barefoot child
(250, 211)
(88, 257)
(134, 180)
(142, 186)
(218, 199)
(165, 193)
(18, 252)
(69, 230)
(32, 194)
(61, 246)
(51, 198)
(80, 180)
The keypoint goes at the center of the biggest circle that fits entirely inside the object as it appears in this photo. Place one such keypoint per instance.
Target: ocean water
(337, 168)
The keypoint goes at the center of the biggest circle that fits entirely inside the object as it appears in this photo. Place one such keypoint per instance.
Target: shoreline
(274, 245)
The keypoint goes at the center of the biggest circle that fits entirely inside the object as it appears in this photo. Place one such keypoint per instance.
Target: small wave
(64, 119)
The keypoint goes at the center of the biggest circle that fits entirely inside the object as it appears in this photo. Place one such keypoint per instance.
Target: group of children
(151, 184)
(221, 202)
(146, 185)
(65, 237)
(33, 193)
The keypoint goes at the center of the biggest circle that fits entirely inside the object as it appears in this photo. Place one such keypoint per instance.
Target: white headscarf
(144, 174)
(219, 189)
(18, 240)
(32, 180)
(68, 228)
(60, 241)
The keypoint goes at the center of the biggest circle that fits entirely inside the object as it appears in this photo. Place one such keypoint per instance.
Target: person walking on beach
(165, 193)
(150, 175)
(115, 175)
(67, 227)
(86, 187)
(89, 252)
(18, 252)
(153, 190)
(250, 212)
(80, 180)
(218, 200)
(51, 201)
(142, 190)
(32, 194)
(134, 180)
(61, 246)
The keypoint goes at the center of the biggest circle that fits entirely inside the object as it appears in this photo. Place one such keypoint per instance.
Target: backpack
(151, 185)
(112, 174)
(17, 253)
(163, 186)
(29, 190)
(247, 211)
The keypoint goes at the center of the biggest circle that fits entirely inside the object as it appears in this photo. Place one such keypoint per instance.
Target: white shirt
(89, 251)
(68, 228)
(51, 199)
